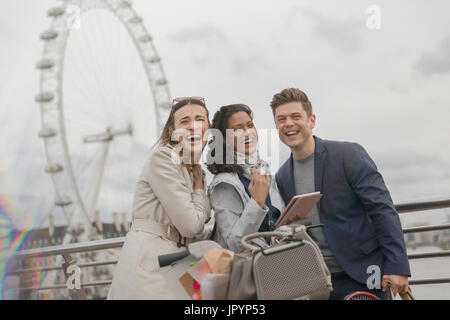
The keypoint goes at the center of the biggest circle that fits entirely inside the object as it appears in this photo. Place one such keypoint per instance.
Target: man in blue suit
(361, 237)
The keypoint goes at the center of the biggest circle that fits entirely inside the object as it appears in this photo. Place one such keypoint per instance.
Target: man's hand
(399, 283)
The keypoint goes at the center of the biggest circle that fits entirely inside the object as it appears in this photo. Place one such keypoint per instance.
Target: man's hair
(291, 95)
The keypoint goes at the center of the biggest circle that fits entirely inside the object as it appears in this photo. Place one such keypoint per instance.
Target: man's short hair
(291, 95)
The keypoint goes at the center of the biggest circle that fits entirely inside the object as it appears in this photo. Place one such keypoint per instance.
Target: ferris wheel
(103, 99)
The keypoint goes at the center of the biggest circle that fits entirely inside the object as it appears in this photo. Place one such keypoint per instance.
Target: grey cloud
(436, 62)
(210, 45)
(203, 34)
(342, 34)
(411, 176)
(405, 167)
(206, 41)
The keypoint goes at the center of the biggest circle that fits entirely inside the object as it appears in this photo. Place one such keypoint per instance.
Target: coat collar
(227, 177)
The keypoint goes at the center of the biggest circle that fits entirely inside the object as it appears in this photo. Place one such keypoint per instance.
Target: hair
(291, 95)
(169, 127)
(220, 122)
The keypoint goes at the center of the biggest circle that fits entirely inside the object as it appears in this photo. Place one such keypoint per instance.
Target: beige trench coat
(165, 197)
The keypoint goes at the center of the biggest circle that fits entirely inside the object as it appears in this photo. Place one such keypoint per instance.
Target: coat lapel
(320, 157)
(188, 178)
(289, 178)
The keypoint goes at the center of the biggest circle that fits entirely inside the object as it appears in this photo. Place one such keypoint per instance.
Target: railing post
(73, 277)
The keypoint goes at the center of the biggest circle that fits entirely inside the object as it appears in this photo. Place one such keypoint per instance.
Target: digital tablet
(299, 207)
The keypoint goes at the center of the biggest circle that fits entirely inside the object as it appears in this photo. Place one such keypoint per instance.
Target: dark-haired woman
(242, 194)
(170, 204)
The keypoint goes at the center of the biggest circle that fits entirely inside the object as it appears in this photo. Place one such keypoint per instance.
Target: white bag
(215, 286)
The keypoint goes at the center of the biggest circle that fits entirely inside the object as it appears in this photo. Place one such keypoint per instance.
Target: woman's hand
(197, 173)
(259, 187)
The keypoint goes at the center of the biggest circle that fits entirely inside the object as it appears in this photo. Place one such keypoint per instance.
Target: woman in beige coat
(170, 206)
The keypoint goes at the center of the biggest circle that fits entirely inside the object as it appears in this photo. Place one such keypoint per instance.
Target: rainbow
(11, 243)
(7, 208)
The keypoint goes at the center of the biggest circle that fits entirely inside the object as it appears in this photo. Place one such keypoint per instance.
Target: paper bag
(187, 282)
(219, 261)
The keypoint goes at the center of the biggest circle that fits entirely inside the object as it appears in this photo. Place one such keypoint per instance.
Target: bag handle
(408, 295)
(297, 232)
(405, 296)
(245, 240)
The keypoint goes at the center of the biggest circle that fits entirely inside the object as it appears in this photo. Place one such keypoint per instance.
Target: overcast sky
(386, 89)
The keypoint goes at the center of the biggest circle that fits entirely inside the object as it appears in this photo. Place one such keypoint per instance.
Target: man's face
(293, 124)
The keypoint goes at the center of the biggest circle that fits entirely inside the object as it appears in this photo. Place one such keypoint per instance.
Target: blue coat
(361, 224)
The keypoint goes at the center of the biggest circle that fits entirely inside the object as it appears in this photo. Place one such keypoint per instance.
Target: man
(361, 230)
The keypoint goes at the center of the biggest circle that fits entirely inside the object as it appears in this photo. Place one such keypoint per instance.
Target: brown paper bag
(187, 281)
(219, 260)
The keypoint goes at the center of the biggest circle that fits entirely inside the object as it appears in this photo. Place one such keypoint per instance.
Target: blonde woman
(170, 205)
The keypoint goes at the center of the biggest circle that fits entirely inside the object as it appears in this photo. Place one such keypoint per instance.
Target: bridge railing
(67, 250)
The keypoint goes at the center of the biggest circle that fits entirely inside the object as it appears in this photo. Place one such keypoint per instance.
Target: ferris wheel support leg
(98, 181)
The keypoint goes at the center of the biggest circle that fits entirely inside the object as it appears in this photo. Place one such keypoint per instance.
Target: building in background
(23, 277)
(440, 238)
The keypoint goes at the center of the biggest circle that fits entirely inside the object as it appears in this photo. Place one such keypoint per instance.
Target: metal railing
(67, 250)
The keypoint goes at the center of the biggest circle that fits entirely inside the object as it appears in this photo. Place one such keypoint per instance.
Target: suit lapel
(320, 157)
(289, 178)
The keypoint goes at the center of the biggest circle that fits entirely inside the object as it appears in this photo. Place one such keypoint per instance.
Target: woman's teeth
(194, 138)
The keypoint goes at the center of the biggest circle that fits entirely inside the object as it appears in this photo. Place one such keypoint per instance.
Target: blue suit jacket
(361, 224)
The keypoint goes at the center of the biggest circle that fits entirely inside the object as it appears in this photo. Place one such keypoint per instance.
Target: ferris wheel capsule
(45, 64)
(56, 11)
(125, 4)
(45, 97)
(155, 59)
(47, 133)
(63, 201)
(54, 168)
(49, 35)
(145, 38)
(135, 20)
(161, 82)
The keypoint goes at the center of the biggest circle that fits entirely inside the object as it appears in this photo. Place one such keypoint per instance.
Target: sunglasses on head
(181, 99)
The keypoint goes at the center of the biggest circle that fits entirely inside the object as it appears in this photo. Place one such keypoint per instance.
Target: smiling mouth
(249, 141)
(194, 138)
(292, 133)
